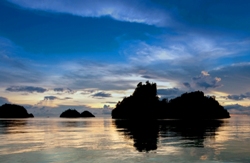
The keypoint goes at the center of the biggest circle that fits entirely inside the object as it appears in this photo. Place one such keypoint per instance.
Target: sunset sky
(89, 54)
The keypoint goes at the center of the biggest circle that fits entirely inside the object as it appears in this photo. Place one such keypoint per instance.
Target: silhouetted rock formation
(70, 113)
(86, 114)
(146, 134)
(195, 105)
(14, 111)
(145, 104)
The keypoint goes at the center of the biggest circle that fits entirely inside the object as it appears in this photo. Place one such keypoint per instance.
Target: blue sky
(89, 54)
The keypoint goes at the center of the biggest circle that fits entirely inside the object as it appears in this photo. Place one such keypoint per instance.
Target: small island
(72, 113)
(86, 114)
(145, 104)
(14, 111)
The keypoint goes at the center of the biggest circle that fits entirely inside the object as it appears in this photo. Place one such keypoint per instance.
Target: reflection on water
(9, 126)
(145, 134)
(107, 140)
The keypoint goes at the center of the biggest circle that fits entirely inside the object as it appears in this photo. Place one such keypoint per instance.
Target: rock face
(14, 111)
(86, 114)
(145, 104)
(72, 113)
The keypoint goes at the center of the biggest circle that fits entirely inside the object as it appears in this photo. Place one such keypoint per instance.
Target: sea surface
(99, 140)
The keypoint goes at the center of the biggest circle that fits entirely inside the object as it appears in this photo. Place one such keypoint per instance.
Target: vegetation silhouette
(145, 104)
(146, 134)
(72, 113)
(87, 114)
(14, 111)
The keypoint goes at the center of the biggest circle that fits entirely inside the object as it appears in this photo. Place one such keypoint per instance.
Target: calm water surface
(105, 140)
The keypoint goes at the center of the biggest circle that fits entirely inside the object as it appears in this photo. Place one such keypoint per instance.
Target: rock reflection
(146, 134)
(76, 123)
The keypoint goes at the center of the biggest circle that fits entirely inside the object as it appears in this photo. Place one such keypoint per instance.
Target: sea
(102, 139)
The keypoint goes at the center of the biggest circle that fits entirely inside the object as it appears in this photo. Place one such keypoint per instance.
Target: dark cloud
(67, 98)
(29, 89)
(238, 109)
(204, 80)
(169, 92)
(101, 95)
(58, 89)
(3, 100)
(186, 84)
(64, 90)
(51, 98)
(146, 77)
(110, 102)
(87, 91)
(238, 97)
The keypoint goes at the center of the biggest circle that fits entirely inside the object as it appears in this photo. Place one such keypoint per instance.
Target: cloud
(129, 10)
(146, 77)
(15, 69)
(238, 109)
(51, 101)
(236, 77)
(238, 97)
(107, 110)
(169, 92)
(29, 89)
(110, 102)
(51, 98)
(3, 100)
(186, 84)
(64, 90)
(204, 80)
(101, 95)
(141, 52)
(88, 91)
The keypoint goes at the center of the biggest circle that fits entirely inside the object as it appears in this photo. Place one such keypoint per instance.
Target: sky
(90, 54)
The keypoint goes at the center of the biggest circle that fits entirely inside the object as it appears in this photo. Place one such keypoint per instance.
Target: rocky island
(145, 104)
(87, 114)
(14, 111)
(72, 113)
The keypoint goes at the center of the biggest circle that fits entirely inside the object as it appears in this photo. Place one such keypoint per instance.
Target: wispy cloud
(64, 90)
(130, 11)
(101, 95)
(29, 89)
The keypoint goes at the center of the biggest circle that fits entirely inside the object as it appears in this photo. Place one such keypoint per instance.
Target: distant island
(14, 111)
(145, 104)
(72, 113)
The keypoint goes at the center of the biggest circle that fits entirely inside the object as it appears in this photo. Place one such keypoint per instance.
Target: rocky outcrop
(86, 114)
(72, 113)
(14, 111)
(145, 104)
